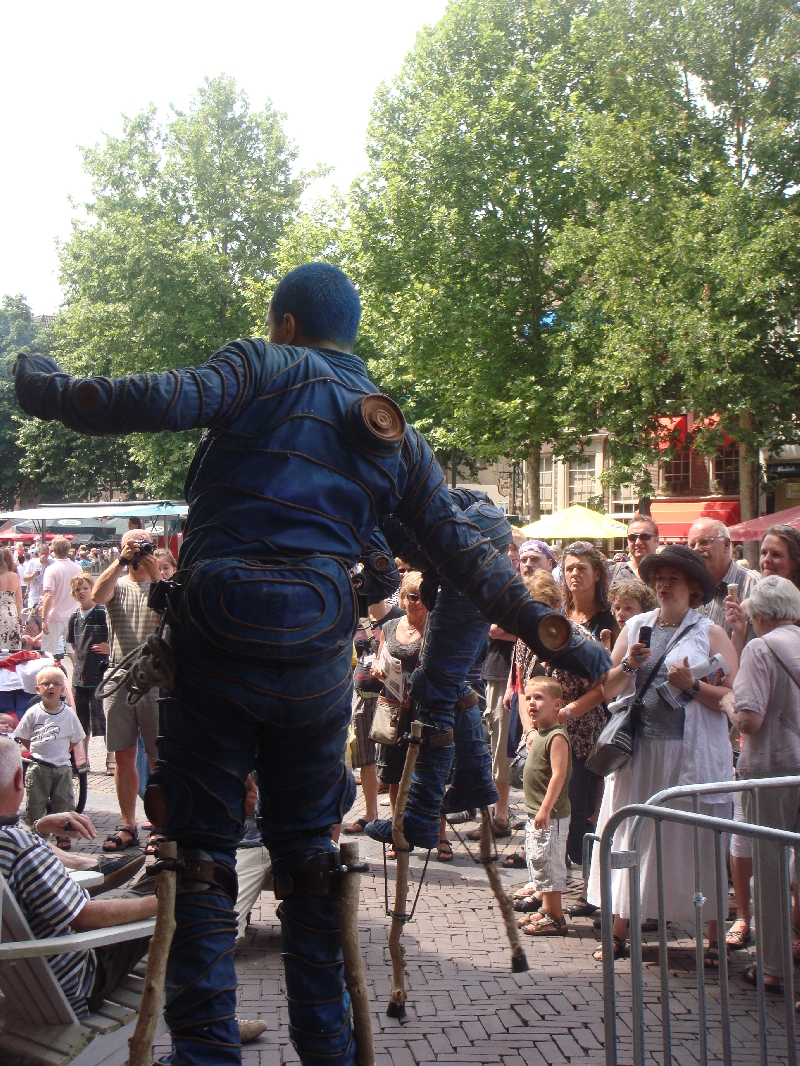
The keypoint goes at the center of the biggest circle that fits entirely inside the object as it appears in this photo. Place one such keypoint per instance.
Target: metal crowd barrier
(655, 811)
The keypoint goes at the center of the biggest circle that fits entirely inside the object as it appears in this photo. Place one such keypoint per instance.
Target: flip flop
(750, 974)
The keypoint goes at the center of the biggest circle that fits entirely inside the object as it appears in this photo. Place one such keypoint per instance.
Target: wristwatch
(696, 685)
(627, 668)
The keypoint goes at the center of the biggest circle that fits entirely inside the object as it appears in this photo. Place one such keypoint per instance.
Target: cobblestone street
(465, 1005)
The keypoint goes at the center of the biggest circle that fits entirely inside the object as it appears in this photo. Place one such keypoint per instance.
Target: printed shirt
(130, 620)
(735, 575)
(47, 735)
(583, 731)
(35, 587)
(50, 900)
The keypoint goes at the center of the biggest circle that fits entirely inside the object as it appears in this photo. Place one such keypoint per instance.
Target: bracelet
(627, 668)
(35, 828)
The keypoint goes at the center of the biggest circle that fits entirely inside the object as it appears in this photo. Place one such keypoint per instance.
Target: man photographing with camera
(123, 589)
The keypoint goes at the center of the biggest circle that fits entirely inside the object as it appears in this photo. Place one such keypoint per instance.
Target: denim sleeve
(194, 397)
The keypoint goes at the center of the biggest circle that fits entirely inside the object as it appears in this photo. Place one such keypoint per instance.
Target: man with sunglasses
(642, 541)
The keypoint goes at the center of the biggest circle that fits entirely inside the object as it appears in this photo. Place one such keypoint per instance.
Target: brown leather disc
(554, 631)
(383, 417)
(86, 397)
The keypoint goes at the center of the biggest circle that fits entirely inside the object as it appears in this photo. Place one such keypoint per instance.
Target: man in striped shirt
(53, 904)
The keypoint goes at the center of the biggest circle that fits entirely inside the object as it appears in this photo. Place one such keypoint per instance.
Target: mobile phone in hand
(645, 633)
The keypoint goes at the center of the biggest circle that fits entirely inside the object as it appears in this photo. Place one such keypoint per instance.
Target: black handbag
(517, 768)
(614, 747)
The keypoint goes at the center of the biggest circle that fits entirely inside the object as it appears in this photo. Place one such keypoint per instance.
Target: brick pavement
(465, 1005)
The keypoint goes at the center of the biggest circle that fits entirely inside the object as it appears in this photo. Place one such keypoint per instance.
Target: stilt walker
(301, 459)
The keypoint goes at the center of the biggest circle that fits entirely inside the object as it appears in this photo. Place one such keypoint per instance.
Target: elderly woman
(765, 708)
(779, 557)
(675, 742)
(10, 603)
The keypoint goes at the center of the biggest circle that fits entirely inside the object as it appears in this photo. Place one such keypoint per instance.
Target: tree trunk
(532, 484)
(748, 485)
(453, 469)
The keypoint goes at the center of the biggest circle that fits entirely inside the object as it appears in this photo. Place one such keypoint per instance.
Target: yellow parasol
(576, 523)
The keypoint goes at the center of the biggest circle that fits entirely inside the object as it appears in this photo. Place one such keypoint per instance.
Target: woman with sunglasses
(586, 585)
(402, 638)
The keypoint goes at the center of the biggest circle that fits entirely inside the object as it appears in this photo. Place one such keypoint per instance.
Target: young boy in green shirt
(546, 786)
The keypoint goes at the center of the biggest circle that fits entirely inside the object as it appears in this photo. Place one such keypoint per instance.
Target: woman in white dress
(672, 745)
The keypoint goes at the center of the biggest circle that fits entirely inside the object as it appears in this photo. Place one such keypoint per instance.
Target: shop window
(726, 470)
(546, 484)
(676, 475)
(582, 485)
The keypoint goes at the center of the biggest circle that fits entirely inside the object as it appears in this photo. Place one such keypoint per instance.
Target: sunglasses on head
(640, 536)
(413, 596)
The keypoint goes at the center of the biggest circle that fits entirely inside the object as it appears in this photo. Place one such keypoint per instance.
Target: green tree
(468, 183)
(183, 227)
(19, 331)
(684, 293)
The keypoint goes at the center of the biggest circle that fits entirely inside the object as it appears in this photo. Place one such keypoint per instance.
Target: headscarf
(540, 547)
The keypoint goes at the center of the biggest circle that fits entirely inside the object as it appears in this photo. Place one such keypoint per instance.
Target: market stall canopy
(675, 517)
(757, 527)
(117, 509)
(576, 523)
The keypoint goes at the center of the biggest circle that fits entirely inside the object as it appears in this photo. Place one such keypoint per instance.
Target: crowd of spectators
(660, 609)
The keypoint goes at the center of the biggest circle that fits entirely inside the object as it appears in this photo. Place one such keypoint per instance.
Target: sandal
(711, 955)
(620, 950)
(582, 909)
(546, 925)
(114, 842)
(65, 843)
(528, 904)
(357, 826)
(515, 862)
(390, 853)
(151, 848)
(750, 974)
(738, 938)
(525, 892)
(444, 853)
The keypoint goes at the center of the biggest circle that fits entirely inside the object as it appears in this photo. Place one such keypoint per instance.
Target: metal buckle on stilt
(320, 877)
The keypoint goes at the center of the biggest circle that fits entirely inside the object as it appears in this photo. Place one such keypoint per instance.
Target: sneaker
(117, 871)
(501, 829)
(250, 1031)
(461, 816)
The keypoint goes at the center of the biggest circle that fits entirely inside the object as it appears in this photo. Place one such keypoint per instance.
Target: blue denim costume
(284, 493)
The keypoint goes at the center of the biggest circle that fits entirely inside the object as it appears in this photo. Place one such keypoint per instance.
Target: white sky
(69, 71)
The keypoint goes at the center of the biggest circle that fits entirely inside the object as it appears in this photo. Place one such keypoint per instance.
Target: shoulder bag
(391, 722)
(614, 747)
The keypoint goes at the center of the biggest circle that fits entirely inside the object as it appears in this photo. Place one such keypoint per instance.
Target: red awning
(757, 527)
(26, 538)
(674, 517)
(669, 428)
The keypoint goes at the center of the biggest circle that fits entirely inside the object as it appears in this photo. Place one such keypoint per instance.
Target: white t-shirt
(47, 735)
(57, 578)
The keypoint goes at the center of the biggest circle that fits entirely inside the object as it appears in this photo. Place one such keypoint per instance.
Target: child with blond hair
(546, 786)
(50, 730)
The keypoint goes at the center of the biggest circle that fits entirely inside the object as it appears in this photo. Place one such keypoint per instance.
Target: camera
(142, 547)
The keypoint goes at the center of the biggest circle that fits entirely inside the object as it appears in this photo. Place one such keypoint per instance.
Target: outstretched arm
(467, 560)
(208, 395)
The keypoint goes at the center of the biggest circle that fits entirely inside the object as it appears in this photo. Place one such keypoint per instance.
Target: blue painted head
(323, 301)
